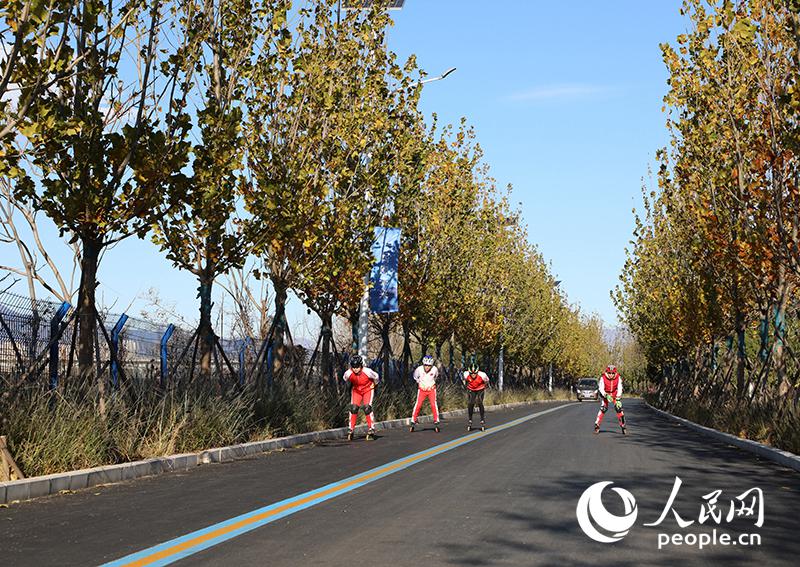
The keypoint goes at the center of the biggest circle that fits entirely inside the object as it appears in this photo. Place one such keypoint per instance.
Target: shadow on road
(532, 520)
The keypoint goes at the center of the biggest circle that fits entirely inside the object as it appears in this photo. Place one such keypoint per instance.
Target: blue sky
(566, 99)
(567, 107)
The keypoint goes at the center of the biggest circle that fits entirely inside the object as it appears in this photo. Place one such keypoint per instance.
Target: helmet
(356, 361)
(427, 360)
(473, 368)
(611, 370)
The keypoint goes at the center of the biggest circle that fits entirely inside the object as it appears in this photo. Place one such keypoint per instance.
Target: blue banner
(383, 276)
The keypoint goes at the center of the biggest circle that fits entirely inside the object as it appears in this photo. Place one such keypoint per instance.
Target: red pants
(356, 400)
(423, 395)
(604, 408)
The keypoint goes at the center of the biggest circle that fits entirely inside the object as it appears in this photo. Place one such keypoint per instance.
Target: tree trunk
(406, 349)
(438, 346)
(740, 354)
(386, 347)
(86, 304)
(87, 317)
(328, 377)
(279, 348)
(352, 316)
(205, 333)
(451, 354)
(779, 323)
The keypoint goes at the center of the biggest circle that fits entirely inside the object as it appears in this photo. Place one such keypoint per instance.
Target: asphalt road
(505, 498)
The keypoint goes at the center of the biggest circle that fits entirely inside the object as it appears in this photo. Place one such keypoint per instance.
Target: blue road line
(184, 546)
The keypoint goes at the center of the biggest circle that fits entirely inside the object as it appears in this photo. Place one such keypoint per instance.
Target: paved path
(504, 498)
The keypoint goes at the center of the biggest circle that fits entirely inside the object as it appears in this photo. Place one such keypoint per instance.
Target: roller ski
(483, 426)
(349, 434)
(411, 428)
(370, 435)
(436, 427)
(596, 428)
(469, 426)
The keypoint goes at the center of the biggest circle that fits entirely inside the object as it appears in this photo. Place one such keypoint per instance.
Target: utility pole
(550, 377)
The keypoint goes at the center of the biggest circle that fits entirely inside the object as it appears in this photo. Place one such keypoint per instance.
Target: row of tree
(253, 133)
(711, 282)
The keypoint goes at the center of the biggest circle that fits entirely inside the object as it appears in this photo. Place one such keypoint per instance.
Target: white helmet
(427, 360)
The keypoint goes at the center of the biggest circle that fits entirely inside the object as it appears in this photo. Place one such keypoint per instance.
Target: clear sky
(566, 100)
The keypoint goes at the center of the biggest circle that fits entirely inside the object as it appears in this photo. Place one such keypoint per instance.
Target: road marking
(178, 548)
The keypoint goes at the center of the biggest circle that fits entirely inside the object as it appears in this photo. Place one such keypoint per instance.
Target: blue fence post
(115, 348)
(242, 350)
(164, 353)
(54, 324)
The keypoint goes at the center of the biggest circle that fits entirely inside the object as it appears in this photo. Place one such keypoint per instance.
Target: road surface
(506, 497)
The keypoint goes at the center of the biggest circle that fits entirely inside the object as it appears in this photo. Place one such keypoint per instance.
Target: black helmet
(356, 361)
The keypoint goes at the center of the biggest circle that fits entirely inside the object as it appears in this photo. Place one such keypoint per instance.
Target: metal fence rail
(27, 328)
(38, 344)
(37, 338)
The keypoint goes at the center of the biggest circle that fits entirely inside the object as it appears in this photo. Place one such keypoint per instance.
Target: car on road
(586, 389)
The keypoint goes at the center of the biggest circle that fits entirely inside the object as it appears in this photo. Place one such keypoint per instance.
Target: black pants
(472, 399)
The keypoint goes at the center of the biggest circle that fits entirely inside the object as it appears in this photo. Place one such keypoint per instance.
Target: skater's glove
(618, 406)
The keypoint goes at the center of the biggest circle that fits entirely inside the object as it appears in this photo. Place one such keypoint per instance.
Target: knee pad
(353, 408)
(367, 409)
(604, 408)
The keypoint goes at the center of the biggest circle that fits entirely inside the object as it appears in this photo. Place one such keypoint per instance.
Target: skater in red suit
(476, 382)
(425, 377)
(610, 386)
(362, 394)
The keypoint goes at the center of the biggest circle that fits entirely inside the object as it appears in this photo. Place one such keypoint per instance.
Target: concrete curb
(784, 458)
(38, 486)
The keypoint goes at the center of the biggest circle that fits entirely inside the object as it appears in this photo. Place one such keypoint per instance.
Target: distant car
(586, 389)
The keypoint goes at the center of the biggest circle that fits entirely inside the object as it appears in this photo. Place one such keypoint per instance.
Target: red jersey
(611, 385)
(363, 381)
(476, 382)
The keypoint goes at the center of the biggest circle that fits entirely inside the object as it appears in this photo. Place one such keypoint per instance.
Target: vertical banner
(383, 276)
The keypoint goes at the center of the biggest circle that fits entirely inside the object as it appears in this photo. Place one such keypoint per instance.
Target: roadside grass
(63, 430)
(761, 421)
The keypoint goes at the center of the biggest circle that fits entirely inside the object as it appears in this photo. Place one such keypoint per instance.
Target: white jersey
(426, 380)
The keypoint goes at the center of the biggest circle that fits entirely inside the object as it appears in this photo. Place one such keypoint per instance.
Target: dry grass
(51, 433)
(761, 421)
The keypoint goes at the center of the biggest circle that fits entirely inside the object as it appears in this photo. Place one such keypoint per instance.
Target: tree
(716, 253)
(98, 142)
(319, 132)
(200, 233)
(38, 265)
(35, 55)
